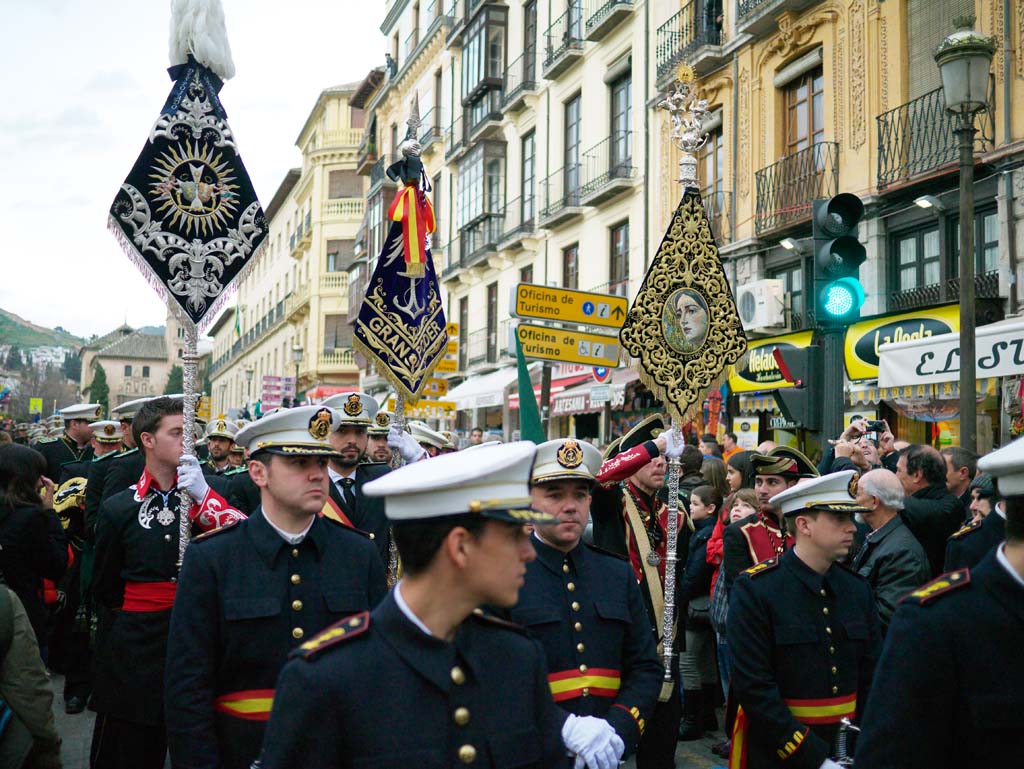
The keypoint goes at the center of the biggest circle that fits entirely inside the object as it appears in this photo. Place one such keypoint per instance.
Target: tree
(14, 359)
(72, 367)
(175, 381)
(99, 390)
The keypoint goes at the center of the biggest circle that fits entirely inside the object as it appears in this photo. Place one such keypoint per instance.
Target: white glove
(407, 446)
(673, 448)
(594, 742)
(830, 764)
(190, 478)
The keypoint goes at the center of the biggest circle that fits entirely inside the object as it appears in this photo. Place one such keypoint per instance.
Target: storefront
(481, 401)
(588, 409)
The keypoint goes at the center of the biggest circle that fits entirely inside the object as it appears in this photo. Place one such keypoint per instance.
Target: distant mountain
(16, 330)
(151, 330)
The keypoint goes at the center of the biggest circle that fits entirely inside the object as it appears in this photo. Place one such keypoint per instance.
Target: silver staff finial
(687, 114)
(411, 146)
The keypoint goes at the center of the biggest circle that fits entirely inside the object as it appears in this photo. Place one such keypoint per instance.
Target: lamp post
(297, 359)
(223, 398)
(249, 372)
(964, 59)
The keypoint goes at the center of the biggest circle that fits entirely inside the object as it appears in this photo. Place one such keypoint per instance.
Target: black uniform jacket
(245, 599)
(243, 494)
(802, 648)
(96, 481)
(57, 451)
(949, 692)
(368, 512)
(376, 692)
(933, 514)
(967, 547)
(125, 470)
(586, 610)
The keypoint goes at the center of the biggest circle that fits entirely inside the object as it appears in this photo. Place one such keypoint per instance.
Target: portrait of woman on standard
(685, 320)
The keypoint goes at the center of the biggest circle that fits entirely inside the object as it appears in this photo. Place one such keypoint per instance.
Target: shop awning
(483, 391)
(557, 386)
(576, 399)
(935, 360)
(753, 403)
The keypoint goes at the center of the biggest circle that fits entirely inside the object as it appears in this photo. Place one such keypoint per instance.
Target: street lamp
(297, 359)
(964, 60)
(223, 398)
(249, 372)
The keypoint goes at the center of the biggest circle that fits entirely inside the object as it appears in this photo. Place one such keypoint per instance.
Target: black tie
(346, 491)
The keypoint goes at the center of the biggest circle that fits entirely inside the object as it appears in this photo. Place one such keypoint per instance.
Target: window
(437, 209)
(530, 42)
(483, 55)
(618, 278)
(492, 322)
(712, 162)
(917, 262)
(986, 243)
(481, 184)
(570, 266)
(571, 167)
(344, 184)
(145, 372)
(805, 111)
(375, 213)
(340, 254)
(463, 332)
(526, 274)
(792, 277)
(529, 172)
(337, 333)
(574, 20)
(622, 121)
(127, 370)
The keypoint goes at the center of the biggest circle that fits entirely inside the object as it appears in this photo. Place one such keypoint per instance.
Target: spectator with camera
(931, 513)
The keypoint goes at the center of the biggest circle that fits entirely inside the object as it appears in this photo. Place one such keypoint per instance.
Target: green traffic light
(842, 297)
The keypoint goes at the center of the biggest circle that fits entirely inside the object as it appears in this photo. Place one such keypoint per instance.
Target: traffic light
(838, 255)
(802, 403)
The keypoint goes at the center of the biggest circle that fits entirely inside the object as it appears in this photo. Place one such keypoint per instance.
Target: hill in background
(15, 330)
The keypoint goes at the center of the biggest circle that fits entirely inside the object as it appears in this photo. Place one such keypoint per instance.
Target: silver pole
(671, 542)
(189, 357)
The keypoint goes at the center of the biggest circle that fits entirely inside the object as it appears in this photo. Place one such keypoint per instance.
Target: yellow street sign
(568, 346)
(436, 388)
(427, 409)
(203, 408)
(453, 330)
(453, 347)
(35, 405)
(447, 366)
(567, 306)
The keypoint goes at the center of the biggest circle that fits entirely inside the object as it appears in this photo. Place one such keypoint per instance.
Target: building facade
(292, 305)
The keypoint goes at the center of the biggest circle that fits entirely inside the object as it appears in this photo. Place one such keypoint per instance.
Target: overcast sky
(83, 81)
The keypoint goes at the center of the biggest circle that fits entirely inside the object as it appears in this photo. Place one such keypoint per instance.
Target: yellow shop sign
(761, 371)
(863, 339)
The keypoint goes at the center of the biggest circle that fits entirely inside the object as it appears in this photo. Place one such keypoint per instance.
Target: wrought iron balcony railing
(564, 40)
(684, 33)
(744, 7)
(520, 79)
(482, 347)
(437, 15)
(484, 113)
(918, 137)
(430, 127)
(608, 167)
(519, 221)
(986, 286)
(378, 173)
(785, 189)
(480, 239)
(603, 15)
(454, 139)
(562, 195)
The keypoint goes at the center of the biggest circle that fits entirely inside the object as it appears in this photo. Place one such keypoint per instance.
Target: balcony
(785, 189)
(481, 347)
(296, 306)
(430, 130)
(358, 281)
(613, 287)
(689, 36)
(564, 42)
(917, 138)
(608, 169)
(300, 240)
(604, 15)
(520, 82)
(340, 361)
(452, 262)
(562, 200)
(456, 10)
(518, 224)
(378, 174)
(718, 206)
(483, 117)
(335, 284)
(366, 155)
(479, 240)
(412, 41)
(455, 140)
(343, 210)
(986, 286)
(438, 15)
(756, 17)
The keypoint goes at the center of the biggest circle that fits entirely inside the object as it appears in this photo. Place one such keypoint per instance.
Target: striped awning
(869, 393)
(758, 403)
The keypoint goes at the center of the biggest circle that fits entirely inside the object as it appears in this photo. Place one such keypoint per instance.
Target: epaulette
(235, 471)
(333, 635)
(968, 529)
(761, 568)
(489, 619)
(602, 551)
(941, 585)
(41, 441)
(212, 532)
(109, 455)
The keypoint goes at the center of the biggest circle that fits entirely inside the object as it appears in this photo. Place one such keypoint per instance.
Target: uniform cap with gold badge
(424, 435)
(106, 431)
(450, 441)
(235, 448)
(566, 459)
(1006, 465)
(785, 461)
(494, 484)
(295, 432)
(221, 427)
(381, 424)
(90, 412)
(833, 493)
(354, 408)
(126, 411)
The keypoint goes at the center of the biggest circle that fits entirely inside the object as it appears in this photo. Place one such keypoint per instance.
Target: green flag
(530, 428)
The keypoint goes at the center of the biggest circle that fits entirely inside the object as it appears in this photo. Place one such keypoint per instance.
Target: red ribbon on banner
(414, 210)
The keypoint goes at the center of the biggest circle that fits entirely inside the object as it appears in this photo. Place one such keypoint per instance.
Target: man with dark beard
(220, 439)
(377, 449)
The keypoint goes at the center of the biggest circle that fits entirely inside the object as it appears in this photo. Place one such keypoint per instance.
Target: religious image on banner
(401, 326)
(187, 213)
(683, 327)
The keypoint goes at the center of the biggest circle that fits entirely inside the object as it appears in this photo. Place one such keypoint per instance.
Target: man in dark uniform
(377, 448)
(99, 469)
(134, 581)
(762, 535)
(431, 441)
(584, 605)
(425, 679)
(966, 547)
(220, 439)
(252, 592)
(631, 519)
(949, 691)
(75, 443)
(803, 635)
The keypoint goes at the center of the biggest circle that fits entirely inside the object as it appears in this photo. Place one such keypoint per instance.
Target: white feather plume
(197, 28)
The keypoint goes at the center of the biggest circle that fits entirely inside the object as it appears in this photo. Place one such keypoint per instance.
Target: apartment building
(291, 315)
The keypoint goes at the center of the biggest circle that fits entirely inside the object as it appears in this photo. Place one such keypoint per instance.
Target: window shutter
(928, 23)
